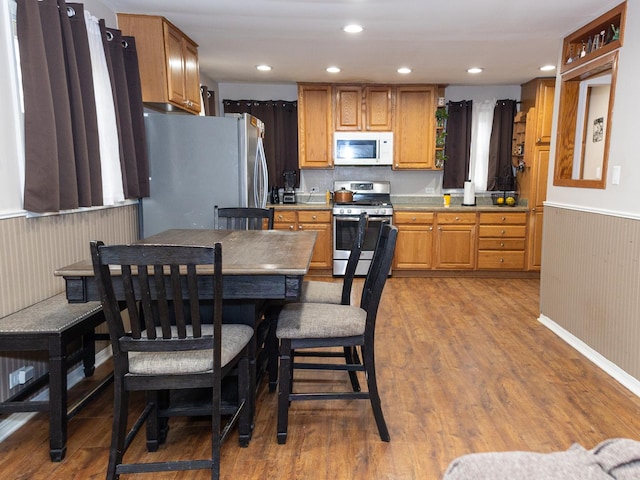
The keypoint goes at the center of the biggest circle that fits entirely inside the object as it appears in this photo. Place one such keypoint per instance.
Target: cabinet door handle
(290, 227)
(299, 227)
(430, 229)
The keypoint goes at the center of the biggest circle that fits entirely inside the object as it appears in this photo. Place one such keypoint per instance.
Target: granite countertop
(431, 203)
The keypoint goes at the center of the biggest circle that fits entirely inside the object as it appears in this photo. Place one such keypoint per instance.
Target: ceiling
(438, 40)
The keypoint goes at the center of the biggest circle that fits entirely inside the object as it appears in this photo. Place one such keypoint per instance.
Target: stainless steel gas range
(371, 197)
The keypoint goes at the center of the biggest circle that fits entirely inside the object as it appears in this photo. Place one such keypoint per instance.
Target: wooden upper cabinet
(348, 107)
(315, 126)
(539, 93)
(168, 62)
(363, 108)
(378, 108)
(414, 127)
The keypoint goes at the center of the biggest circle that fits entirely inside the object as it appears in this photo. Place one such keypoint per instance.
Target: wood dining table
(259, 268)
(256, 264)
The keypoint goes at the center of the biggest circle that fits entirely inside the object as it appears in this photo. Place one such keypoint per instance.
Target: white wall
(623, 151)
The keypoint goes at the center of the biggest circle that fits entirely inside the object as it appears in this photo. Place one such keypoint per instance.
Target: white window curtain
(481, 124)
(112, 188)
(11, 120)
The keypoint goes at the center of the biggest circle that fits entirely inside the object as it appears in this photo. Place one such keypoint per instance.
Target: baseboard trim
(618, 374)
(16, 420)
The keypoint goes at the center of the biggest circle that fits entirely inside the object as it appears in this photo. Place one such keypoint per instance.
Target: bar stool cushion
(314, 291)
(320, 320)
(234, 338)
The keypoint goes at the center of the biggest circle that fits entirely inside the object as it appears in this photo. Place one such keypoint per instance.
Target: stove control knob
(342, 211)
(348, 210)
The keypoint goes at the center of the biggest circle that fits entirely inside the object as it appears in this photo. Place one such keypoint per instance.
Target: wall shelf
(600, 28)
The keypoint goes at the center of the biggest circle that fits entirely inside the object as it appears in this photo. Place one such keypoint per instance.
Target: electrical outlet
(314, 189)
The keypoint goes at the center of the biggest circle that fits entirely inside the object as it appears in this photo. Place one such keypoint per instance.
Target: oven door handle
(345, 218)
(383, 219)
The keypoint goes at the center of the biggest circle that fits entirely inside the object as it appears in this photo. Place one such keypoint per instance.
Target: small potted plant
(440, 158)
(440, 138)
(441, 116)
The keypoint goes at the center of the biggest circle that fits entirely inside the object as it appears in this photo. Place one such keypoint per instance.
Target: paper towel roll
(469, 194)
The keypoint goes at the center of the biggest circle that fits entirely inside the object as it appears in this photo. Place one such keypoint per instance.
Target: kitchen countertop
(416, 203)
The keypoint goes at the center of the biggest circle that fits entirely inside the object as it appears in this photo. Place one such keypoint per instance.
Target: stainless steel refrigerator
(197, 162)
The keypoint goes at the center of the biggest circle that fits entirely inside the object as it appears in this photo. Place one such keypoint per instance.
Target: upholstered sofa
(614, 459)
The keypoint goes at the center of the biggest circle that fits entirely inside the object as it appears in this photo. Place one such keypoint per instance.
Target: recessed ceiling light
(404, 70)
(547, 68)
(474, 70)
(353, 28)
(263, 68)
(333, 70)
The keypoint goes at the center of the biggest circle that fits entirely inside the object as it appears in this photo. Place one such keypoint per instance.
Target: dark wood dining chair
(172, 344)
(242, 218)
(317, 291)
(324, 325)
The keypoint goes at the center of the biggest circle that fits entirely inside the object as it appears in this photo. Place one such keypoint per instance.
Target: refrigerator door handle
(261, 177)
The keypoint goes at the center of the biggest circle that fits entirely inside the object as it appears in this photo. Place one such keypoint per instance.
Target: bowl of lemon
(505, 198)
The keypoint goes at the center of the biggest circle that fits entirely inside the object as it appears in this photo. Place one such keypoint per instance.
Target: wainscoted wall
(591, 288)
(32, 248)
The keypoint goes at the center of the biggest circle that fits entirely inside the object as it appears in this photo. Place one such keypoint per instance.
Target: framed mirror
(584, 124)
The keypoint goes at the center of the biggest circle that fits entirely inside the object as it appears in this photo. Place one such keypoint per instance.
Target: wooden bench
(52, 325)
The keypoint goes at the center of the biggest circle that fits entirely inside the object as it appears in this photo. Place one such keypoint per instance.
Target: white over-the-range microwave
(363, 148)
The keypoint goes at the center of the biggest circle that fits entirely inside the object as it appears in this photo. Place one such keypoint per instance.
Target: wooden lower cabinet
(501, 241)
(455, 241)
(414, 246)
(315, 220)
(535, 238)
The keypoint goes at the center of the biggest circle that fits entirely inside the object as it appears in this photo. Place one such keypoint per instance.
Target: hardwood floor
(463, 366)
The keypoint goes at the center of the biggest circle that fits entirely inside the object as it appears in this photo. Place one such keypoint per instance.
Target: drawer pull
(413, 219)
(503, 219)
(502, 244)
(457, 219)
(290, 227)
(503, 232)
(299, 227)
(314, 217)
(502, 260)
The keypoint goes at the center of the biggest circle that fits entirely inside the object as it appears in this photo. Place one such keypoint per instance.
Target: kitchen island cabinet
(310, 220)
(168, 59)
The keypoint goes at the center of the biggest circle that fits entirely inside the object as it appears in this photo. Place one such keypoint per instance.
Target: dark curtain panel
(75, 11)
(62, 149)
(78, 127)
(112, 40)
(500, 145)
(281, 133)
(50, 178)
(134, 88)
(457, 144)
